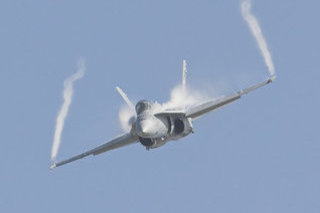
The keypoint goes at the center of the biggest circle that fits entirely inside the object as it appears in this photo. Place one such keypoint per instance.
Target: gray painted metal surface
(160, 127)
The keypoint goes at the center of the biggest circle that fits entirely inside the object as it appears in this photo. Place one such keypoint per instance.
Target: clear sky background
(260, 154)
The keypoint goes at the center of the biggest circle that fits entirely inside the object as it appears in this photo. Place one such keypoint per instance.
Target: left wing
(117, 142)
(208, 106)
(170, 113)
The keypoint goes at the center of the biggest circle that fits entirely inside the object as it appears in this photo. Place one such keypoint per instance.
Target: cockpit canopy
(142, 106)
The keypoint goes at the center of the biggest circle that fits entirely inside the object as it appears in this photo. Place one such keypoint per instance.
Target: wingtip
(272, 78)
(53, 165)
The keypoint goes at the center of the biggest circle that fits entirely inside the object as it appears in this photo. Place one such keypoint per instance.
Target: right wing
(117, 142)
(208, 106)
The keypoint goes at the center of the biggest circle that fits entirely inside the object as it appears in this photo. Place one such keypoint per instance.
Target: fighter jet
(154, 128)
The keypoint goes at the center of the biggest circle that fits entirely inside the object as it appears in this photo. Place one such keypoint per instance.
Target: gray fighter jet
(153, 128)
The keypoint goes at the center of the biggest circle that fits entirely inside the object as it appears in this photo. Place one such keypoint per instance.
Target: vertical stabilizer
(184, 73)
(125, 97)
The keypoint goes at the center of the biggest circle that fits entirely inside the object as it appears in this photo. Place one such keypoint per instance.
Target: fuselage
(155, 129)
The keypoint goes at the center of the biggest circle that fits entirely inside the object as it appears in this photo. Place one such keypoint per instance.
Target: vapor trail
(67, 96)
(257, 33)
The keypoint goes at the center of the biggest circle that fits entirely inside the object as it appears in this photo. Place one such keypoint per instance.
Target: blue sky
(260, 154)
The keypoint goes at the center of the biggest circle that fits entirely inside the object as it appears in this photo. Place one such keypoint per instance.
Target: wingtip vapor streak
(154, 128)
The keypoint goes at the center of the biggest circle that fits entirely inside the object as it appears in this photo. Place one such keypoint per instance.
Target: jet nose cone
(145, 128)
